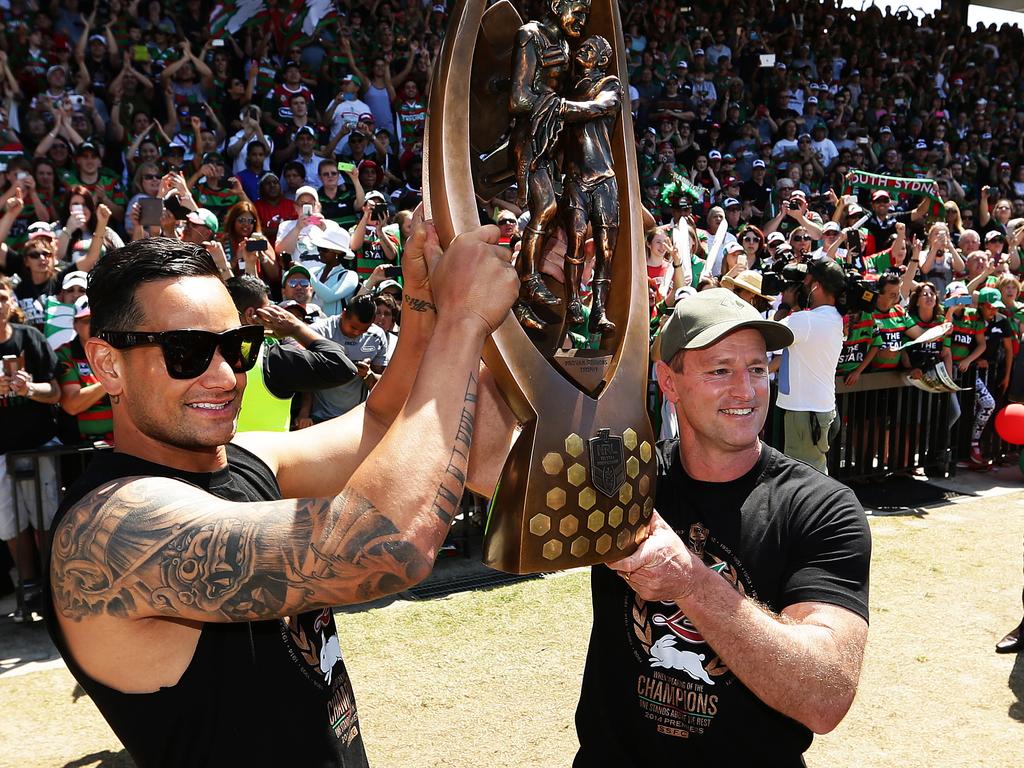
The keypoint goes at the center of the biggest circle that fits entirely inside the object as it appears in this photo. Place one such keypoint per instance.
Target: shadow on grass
(1016, 684)
(104, 759)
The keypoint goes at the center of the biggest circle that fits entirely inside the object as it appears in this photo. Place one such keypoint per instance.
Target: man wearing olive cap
(737, 629)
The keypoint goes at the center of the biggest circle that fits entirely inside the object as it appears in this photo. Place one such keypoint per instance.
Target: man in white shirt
(807, 368)
(823, 146)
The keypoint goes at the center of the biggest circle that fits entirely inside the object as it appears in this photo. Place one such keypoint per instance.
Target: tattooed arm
(149, 547)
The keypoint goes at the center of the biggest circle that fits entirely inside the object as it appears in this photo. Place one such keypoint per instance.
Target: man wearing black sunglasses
(192, 572)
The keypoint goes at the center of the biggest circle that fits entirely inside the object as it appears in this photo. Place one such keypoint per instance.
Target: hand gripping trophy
(539, 104)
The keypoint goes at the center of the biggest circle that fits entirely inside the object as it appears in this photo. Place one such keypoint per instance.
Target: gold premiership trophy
(542, 105)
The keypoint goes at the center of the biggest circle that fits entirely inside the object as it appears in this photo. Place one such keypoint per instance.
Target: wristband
(677, 266)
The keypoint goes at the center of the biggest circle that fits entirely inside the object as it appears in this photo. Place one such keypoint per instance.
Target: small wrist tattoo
(420, 305)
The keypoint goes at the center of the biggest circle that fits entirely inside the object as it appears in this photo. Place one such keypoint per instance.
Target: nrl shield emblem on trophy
(541, 106)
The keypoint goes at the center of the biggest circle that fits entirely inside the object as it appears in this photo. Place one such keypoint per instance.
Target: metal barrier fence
(887, 426)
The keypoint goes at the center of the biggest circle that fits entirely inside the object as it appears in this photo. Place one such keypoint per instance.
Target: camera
(782, 275)
(860, 294)
(379, 211)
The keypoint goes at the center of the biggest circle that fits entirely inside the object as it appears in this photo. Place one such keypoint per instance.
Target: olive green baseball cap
(705, 319)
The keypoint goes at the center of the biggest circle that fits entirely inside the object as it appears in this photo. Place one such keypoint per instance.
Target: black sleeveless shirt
(270, 693)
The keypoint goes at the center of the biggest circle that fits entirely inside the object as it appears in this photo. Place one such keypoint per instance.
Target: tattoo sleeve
(156, 547)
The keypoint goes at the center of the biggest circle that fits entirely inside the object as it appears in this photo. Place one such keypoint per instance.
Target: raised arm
(379, 535)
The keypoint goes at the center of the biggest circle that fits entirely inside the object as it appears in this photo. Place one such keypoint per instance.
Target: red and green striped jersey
(892, 326)
(371, 254)
(217, 200)
(412, 117)
(878, 262)
(860, 334)
(962, 340)
(73, 368)
(107, 181)
(1015, 315)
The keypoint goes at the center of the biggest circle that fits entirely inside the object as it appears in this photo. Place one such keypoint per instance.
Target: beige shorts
(14, 519)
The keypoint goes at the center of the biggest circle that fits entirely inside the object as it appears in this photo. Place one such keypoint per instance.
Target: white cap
(73, 279)
(305, 189)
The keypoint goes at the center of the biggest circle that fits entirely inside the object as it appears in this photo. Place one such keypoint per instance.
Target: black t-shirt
(255, 693)
(26, 423)
(996, 330)
(883, 231)
(654, 692)
(32, 298)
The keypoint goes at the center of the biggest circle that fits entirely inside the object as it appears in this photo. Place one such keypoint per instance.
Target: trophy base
(588, 500)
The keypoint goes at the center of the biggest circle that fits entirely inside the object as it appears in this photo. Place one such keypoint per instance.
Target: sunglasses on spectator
(187, 353)
(151, 177)
(801, 238)
(298, 283)
(37, 255)
(751, 239)
(245, 220)
(328, 174)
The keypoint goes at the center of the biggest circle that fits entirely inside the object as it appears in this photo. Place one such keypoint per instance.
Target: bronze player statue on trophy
(541, 61)
(590, 192)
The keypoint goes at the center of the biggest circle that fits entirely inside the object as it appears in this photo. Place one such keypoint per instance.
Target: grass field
(490, 678)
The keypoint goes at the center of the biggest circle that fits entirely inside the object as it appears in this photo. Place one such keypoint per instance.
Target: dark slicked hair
(362, 307)
(118, 275)
(247, 291)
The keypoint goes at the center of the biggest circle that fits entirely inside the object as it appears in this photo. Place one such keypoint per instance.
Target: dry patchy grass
(490, 678)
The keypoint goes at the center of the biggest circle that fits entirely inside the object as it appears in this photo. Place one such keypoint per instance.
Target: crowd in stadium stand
(287, 139)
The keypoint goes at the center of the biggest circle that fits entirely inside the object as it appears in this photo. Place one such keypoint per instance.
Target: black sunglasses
(800, 238)
(187, 353)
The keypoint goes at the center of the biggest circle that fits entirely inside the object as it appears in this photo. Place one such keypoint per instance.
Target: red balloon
(1010, 423)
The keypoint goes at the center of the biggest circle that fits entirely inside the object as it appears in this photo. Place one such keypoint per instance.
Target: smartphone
(218, 43)
(767, 59)
(307, 210)
(346, 167)
(140, 53)
(78, 210)
(392, 271)
(76, 99)
(151, 211)
(255, 246)
(254, 113)
(21, 175)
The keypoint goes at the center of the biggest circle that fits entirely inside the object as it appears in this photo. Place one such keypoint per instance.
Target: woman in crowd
(752, 240)
(800, 240)
(48, 186)
(660, 255)
(73, 242)
(996, 218)
(247, 247)
(145, 183)
(925, 312)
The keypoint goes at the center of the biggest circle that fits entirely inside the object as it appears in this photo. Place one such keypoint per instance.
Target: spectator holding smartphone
(248, 249)
(370, 243)
(27, 390)
(340, 193)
